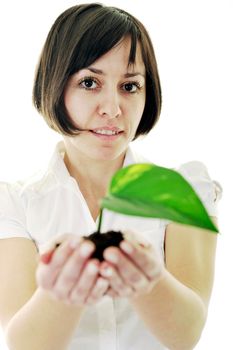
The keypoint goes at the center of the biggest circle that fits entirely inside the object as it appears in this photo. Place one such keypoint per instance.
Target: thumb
(47, 250)
(56, 242)
(136, 239)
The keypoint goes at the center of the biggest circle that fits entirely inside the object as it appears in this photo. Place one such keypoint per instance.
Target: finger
(128, 271)
(50, 245)
(98, 291)
(85, 283)
(115, 280)
(47, 250)
(111, 293)
(150, 264)
(47, 257)
(72, 269)
(136, 239)
(47, 274)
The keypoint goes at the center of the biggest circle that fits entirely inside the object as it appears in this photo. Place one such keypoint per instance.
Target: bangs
(108, 30)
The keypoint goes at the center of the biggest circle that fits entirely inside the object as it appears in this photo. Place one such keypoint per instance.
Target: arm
(32, 317)
(43, 323)
(175, 307)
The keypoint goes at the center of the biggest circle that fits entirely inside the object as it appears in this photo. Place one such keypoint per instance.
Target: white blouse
(51, 203)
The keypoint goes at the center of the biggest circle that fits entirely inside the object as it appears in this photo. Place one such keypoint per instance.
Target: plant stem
(100, 221)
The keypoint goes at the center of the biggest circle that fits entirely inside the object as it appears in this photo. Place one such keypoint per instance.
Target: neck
(93, 176)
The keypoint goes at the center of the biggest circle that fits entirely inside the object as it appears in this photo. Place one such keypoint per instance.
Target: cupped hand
(132, 269)
(69, 274)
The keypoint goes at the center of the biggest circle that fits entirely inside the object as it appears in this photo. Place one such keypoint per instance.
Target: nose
(109, 106)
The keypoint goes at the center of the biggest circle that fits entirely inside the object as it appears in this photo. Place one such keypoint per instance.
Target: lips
(107, 131)
(100, 130)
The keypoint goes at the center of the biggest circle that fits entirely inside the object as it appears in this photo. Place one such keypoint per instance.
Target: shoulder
(12, 212)
(194, 170)
(208, 189)
(14, 201)
(9, 195)
(37, 184)
(40, 182)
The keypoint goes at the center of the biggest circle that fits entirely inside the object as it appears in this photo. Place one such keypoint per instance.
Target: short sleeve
(209, 191)
(12, 213)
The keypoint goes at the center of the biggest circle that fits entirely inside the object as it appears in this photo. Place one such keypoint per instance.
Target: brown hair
(78, 37)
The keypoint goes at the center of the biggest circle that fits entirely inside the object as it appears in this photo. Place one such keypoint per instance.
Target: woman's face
(107, 100)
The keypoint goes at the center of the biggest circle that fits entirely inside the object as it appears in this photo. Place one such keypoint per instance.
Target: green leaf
(151, 191)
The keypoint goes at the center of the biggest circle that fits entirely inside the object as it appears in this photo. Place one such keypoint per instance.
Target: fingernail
(85, 250)
(92, 268)
(46, 257)
(126, 247)
(75, 242)
(107, 272)
(112, 257)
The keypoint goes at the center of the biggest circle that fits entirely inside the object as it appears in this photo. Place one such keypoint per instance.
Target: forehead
(119, 55)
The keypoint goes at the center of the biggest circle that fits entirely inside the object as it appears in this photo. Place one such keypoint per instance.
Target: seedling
(148, 190)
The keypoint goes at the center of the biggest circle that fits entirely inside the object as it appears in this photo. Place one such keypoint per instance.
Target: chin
(107, 154)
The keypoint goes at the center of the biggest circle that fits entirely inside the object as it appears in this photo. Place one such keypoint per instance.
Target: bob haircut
(78, 37)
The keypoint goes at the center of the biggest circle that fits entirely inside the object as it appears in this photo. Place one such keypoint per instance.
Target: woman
(97, 84)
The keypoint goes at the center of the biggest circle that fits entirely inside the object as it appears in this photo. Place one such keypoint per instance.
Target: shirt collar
(58, 167)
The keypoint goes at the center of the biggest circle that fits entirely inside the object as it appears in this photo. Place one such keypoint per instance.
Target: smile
(105, 132)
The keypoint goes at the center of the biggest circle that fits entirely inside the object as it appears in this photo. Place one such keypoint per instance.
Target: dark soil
(104, 240)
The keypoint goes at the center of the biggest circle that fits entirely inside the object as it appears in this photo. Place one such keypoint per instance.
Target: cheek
(138, 112)
(79, 108)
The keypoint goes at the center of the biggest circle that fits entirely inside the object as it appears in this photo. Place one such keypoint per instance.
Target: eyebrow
(126, 75)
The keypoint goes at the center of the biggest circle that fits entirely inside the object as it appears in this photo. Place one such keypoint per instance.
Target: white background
(193, 44)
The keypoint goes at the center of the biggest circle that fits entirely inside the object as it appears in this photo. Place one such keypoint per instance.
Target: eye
(88, 83)
(131, 87)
